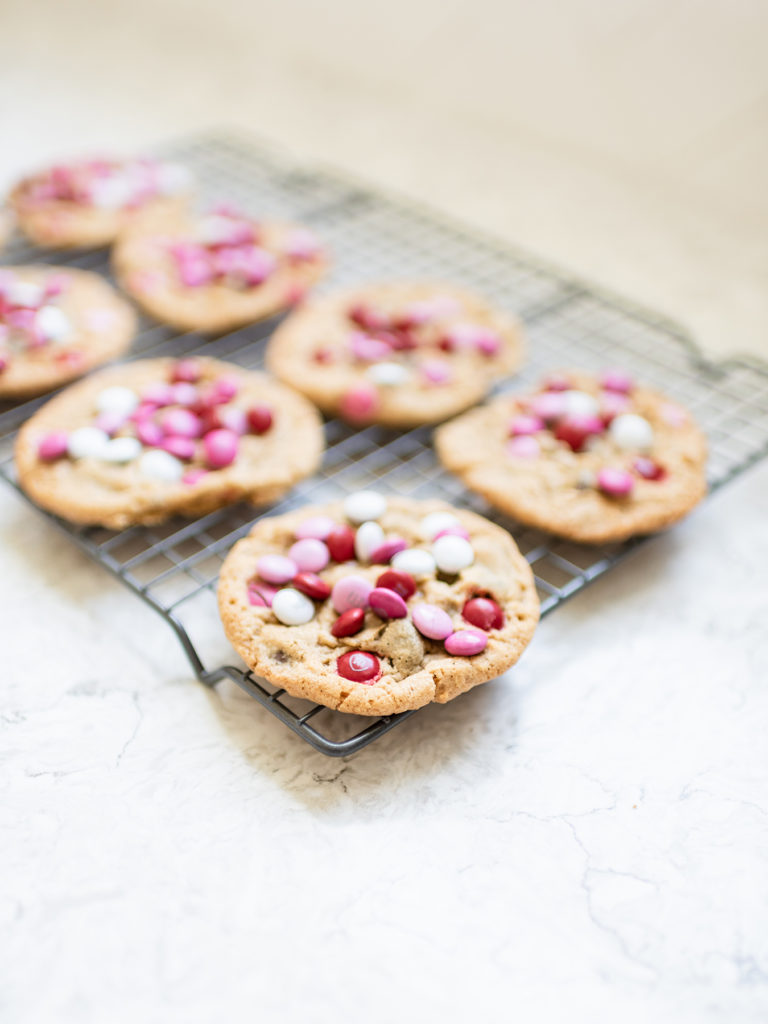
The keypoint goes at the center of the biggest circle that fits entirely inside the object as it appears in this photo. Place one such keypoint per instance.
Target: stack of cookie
(373, 605)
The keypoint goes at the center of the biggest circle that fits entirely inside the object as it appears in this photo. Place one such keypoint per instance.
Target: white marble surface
(584, 841)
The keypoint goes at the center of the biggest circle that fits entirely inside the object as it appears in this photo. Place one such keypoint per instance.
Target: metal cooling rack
(174, 567)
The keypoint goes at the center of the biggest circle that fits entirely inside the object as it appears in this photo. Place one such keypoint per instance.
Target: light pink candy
(488, 343)
(452, 531)
(263, 591)
(181, 423)
(616, 483)
(523, 447)
(368, 350)
(181, 447)
(436, 371)
(276, 568)
(310, 554)
(184, 394)
(316, 528)
(194, 476)
(350, 592)
(617, 380)
(387, 604)
(235, 420)
(186, 370)
(613, 403)
(225, 388)
(360, 402)
(220, 448)
(466, 642)
(110, 422)
(149, 433)
(53, 446)
(158, 394)
(432, 621)
(520, 425)
(549, 405)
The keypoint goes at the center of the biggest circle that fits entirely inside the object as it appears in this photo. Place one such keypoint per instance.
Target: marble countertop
(584, 840)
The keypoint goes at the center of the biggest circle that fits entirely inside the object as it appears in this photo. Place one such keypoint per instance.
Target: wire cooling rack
(174, 567)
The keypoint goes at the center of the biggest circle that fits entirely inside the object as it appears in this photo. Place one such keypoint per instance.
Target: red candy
(575, 430)
(349, 623)
(401, 582)
(483, 613)
(341, 543)
(366, 317)
(359, 667)
(312, 585)
(648, 469)
(260, 418)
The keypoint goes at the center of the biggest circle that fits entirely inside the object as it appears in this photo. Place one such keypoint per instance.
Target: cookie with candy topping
(217, 271)
(593, 459)
(56, 324)
(159, 437)
(375, 606)
(86, 203)
(400, 354)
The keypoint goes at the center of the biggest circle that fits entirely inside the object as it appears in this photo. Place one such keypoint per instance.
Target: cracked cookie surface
(403, 667)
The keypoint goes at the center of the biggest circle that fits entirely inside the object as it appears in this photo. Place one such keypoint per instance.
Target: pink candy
(612, 404)
(149, 433)
(316, 528)
(194, 476)
(53, 446)
(519, 425)
(452, 531)
(382, 554)
(550, 405)
(359, 403)
(276, 568)
(221, 447)
(184, 394)
(466, 642)
(225, 388)
(367, 349)
(235, 420)
(310, 554)
(435, 371)
(187, 370)
(181, 423)
(432, 621)
(181, 447)
(523, 447)
(350, 592)
(110, 422)
(387, 604)
(158, 394)
(615, 483)
(261, 593)
(576, 430)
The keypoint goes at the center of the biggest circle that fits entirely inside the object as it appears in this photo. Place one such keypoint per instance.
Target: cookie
(159, 437)
(593, 459)
(56, 324)
(400, 354)
(375, 606)
(85, 204)
(217, 271)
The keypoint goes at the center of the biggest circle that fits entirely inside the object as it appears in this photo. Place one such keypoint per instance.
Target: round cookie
(86, 203)
(158, 437)
(217, 271)
(56, 324)
(374, 606)
(591, 459)
(400, 354)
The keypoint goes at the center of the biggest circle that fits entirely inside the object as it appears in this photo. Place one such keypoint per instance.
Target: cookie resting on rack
(158, 437)
(86, 203)
(400, 354)
(375, 606)
(56, 324)
(592, 459)
(217, 271)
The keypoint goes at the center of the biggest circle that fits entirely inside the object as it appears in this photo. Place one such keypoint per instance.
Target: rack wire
(174, 567)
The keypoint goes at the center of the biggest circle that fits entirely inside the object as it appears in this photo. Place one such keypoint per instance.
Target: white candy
(292, 607)
(388, 375)
(121, 449)
(452, 554)
(414, 561)
(437, 521)
(161, 465)
(119, 400)
(364, 505)
(53, 324)
(631, 432)
(87, 443)
(172, 178)
(24, 293)
(579, 403)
